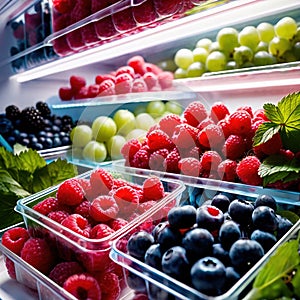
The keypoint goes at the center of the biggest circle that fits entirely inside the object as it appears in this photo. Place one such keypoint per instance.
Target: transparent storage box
(158, 285)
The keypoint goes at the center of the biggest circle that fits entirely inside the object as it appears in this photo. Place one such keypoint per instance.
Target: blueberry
(57, 121)
(208, 275)
(266, 239)
(153, 256)
(182, 216)
(220, 253)
(169, 237)
(55, 129)
(209, 217)
(265, 200)
(175, 263)
(42, 133)
(49, 134)
(221, 201)
(265, 218)
(244, 254)
(158, 228)
(11, 140)
(25, 142)
(136, 282)
(229, 233)
(56, 142)
(155, 292)
(284, 225)
(241, 211)
(232, 277)
(37, 146)
(48, 143)
(198, 242)
(139, 243)
(65, 141)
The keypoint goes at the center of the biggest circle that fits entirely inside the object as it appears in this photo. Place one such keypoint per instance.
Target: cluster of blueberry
(209, 248)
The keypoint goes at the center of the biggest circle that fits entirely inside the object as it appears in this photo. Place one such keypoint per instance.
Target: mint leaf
(273, 113)
(265, 132)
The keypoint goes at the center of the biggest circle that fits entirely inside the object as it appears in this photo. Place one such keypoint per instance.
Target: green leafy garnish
(276, 277)
(285, 120)
(24, 174)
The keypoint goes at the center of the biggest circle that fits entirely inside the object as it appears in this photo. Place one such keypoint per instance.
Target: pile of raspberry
(137, 76)
(210, 143)
(94, 209)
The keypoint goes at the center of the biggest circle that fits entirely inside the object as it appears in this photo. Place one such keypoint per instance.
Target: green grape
(114, 146)
(94, 151)
(296, 50)
(81, 135)
(242, 55)
(231, 65)
(137, 133)
(228, 39)
(144, 121)
(287, 56)
(155, 108)
(265, 31)
(125, 121)
(103, 128)
(139, 109)
(263, 58)
(278, 46)
(196, 69)
(262, 46)
(183, 58)
(247, 64)
(180, 73)
(214, 47)
(216, 61)
(167, 65)
(174, 107)
(200, 54)
(249, 37)
(204, 43)
(286, 28)
(296, 37)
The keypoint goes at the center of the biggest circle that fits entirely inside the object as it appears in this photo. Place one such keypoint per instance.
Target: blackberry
(32, 119)
(12, 112)
(43, 108)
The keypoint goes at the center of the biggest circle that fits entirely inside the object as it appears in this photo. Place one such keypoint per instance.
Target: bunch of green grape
(265, 44)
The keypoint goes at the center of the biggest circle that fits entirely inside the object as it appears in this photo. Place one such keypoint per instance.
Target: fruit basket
(149, 273)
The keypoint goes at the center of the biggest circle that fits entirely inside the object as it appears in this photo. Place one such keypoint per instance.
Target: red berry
(130, 148)
(101, 181)
(93, 90)
(165, 79)
(138, 64)
(247, 108)
(109, 285)
(168, 123)
(38, 254)
(158, 139)
(139, 86)
(103, 208)
(117, 223)
(225, 126)
(62, 271)
(150, 79)
(194, 113)
(190, 166)
(100, 78)
(70, 193)
(127, 198)
(101, 231)
(272, 146)
(82, 93)
(10, 267)
(77, 82)
(210, 161)
(58, 216)
(157, 158)
(171, 161)
(83, 284)
(205, 123)
(240, 122)
(126, 70)
(185, 136)
(65, 93)
(234, 147)
(46, 206)
(141, 159)
(260, 113)
(227, 170)
(211, 136)
(153, 189)
(107, 88)
(123, 83)
(247, 170)
(62, 6)
(218, 111)
(14, 239)
(78, 224)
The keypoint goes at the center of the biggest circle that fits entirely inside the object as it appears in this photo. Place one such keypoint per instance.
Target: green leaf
(30, 161)
(273, 113)
(290, 138)
(265, 132)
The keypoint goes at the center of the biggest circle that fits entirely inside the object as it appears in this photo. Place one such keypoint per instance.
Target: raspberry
(70, 193)
(89, 34)
(46, 206)
(234, 147)
(118, 182)
(246, 108)
(190, 166)
(93, 90)
(101, 181)
(141, 159)
(126, 70)
(14, 239)
(123, 83)
(165, 79)
(83, 284)
(62, 6)
(101, 231)
(117, 223)
(78, 224)
(104, 208)
(225, 126)
(171, 162)
(83, 209)
(158, 139)
(272, 146)
(168, 123)
(157, 158)
(107, 88)
(260, 113)
(218, 111)
(247, 170)
(130, 148)
(58, 216)
(139, 86)
(227, 170)
(150, 79)
(65, 93)
(152, 68)
(192, 152)
(153, 189)
(203, 124)
(127, 199)
(185, 136)
(10, 267)
(194, 113)
(77, 82)
(109, 285)
(138, 64)
(82, 93)
(100, 78)
(211, 136)
(240, 122)
(62, 271)
(38, 254)
(210, 161)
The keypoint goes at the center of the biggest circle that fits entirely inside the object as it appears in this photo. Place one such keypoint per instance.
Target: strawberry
(138, 64)
(165, 79)
(107, 88)
(93, 90)
(123, 83)
(150, 79)
(126, 69)
(65, 93)
(100, 78)
(82, 93)
(139, 86)
(77, 82)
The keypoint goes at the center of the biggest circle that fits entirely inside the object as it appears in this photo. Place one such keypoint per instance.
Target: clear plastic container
(161, 286)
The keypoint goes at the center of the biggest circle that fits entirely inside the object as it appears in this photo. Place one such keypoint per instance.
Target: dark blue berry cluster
(209, 248)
